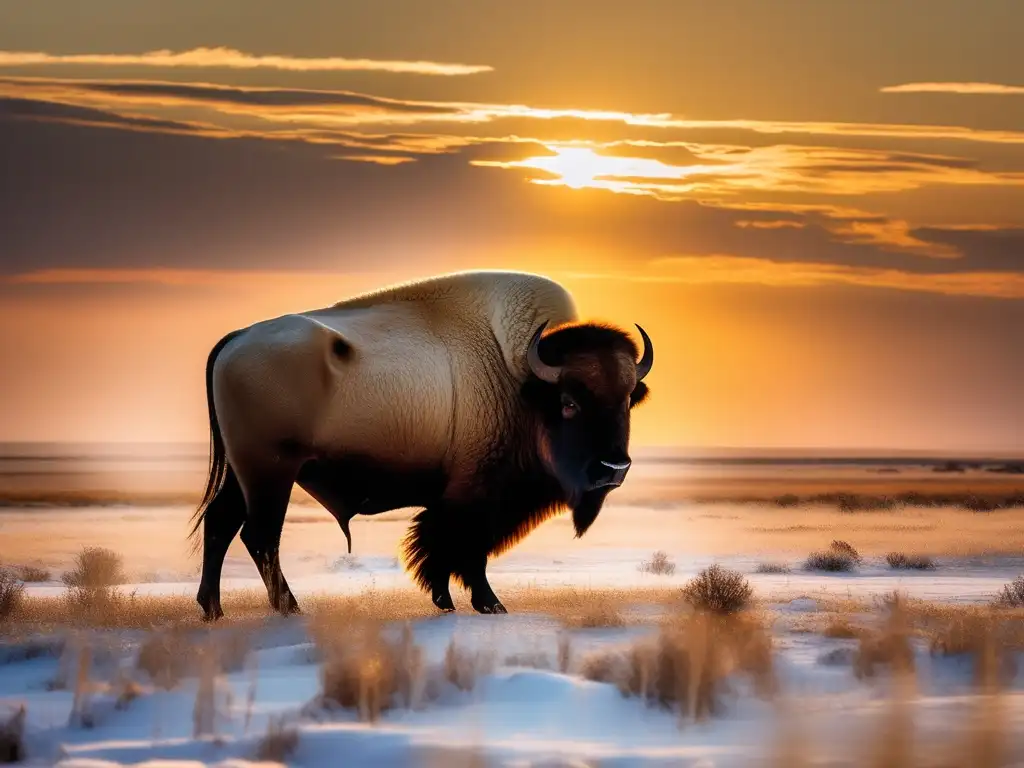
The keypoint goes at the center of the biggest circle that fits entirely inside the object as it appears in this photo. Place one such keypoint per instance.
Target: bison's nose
(604, 472)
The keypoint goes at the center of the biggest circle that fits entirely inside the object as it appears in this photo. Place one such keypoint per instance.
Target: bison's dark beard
(586, 509)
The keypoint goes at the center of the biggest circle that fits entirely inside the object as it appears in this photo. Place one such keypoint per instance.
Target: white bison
(442, 394)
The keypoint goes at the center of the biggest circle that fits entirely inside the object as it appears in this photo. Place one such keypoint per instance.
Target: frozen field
(534, 698)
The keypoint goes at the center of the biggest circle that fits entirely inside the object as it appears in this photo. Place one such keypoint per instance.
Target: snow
(515, 715)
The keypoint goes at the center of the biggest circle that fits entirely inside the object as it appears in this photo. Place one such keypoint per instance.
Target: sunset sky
(815, 208)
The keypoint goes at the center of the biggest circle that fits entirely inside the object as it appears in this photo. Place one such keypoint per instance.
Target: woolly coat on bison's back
(417, 375)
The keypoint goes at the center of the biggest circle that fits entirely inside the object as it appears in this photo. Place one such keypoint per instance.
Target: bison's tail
(219, 467)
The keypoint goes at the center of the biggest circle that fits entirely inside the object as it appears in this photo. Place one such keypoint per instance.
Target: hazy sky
(815, 208)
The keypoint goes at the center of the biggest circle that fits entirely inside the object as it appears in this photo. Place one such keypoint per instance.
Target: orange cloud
(995, 89)
(332, 109)
(732, 169)
(230, 58)
(740, 270)
(777, 224)
(719, 269)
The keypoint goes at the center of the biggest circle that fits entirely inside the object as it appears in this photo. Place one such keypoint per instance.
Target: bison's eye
(569, 407)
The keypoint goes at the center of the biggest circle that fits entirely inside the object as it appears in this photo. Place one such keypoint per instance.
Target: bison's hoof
(444, 603)
(496, 608)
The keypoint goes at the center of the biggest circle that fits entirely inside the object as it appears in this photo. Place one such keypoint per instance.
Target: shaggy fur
(513, 457)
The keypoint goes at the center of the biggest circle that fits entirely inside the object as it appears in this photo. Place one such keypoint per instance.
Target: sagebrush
(96, 568)
(11, 593)
(719, 590)
(1012, 594)
(903, 562)
(659, 565)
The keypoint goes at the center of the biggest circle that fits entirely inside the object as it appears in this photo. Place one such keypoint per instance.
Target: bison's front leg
(473, 572)
(428, 555)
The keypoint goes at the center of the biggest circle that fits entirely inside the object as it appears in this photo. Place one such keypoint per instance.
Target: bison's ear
(639, 394)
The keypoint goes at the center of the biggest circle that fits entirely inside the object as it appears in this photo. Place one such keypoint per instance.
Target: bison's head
(585, 380)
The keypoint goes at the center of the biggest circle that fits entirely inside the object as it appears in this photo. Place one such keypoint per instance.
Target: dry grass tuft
(462, 667)
(887, 647)
(903, 562)
(12, 593)
(96, 568)
(564, 652)
(772, 568)
(1012, 594)
(12, 736)
(718, 590)
(169, 655)
(659, 565)
(115, 609)
(111, 608)
(279, 742)
(688, 664)
(363, 669)
(840, 629)
(991, 637)
(125, 691)
(165, 656)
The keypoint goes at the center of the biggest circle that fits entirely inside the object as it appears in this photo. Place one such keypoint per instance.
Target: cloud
(229, 58)
(333, 109)
(730, 170)
(714, 269)
(964, 88)
(733, 270)
(197, 196)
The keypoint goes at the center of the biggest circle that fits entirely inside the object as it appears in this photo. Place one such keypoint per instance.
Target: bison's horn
(541, 370)
(647, 359)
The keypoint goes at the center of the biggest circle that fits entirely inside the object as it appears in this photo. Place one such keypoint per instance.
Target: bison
(477, 397)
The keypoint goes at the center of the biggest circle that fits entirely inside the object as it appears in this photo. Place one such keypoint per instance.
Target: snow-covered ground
(518, 714)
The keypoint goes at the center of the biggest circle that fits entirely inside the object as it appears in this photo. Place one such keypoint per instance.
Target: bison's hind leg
(221, 521)
(427, 557)
(266, 496)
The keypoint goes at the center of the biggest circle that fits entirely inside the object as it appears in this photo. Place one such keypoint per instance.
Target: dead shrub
(903, 562)
(772, 568)
(718, 590)
(1012, 594)
(96, 568)
(279, 742)
(364, 670)
(32, 574)
(831, 560)
(687, 665)
(11, 593)
(12, 736)
(846, 548)
(659, 565)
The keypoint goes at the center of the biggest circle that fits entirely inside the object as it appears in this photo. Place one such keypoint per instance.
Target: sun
(577, 167)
